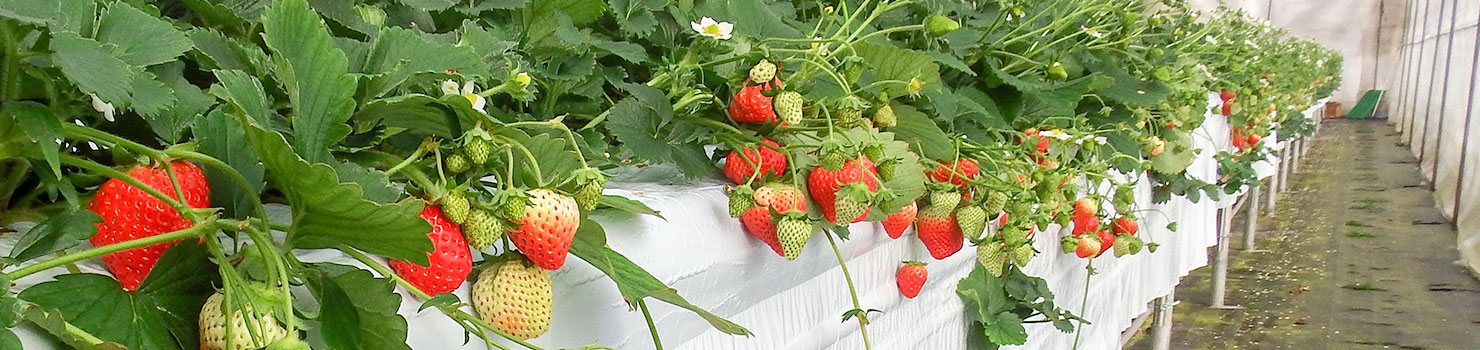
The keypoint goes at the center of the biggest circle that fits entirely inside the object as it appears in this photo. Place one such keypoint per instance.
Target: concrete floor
(1355, 256)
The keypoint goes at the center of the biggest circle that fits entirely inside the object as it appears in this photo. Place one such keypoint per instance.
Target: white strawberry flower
(709, 27)
(817, 45)
(104, 107)
(468, 91)
(1055, 133)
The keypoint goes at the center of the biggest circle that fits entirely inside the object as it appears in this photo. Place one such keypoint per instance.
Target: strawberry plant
(440, 141)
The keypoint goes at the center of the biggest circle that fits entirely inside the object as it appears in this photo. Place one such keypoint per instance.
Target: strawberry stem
(207, 226)
(114, 173)
(852, 291)
(415, 155)
(657, 341)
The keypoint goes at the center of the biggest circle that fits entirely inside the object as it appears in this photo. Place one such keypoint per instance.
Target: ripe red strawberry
(896, 223)
(1252, 140)
(741, 169)
(940, 234)
(752, 106)
(758, 221)
(824, 184)
(547, 227)
(1227, 108)
(1086, 206)
(956, 172)
(129, 213)
(1227, 95)
(450, 259)
(514, 297)
(1107, 240)
(1084, 223)
(911, 278)
(1088, 246)
(1126, 225)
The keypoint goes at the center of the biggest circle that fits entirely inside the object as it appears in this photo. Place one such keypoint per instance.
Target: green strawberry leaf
(53, 322)
(401, 53)
(314, 73)
(628, 205)
(161, 314)
(1178, 154)
(245, 94)
(903, 65)
(357, 310)
(30, 11)
(416, 113)
(632, 281)
(636, 16)
(329, 213)
(922, 134)
(223, 137)
(93, 67)
(40, 125)
(60, 231)
(139, 38)
(191, 104)
(8, 340)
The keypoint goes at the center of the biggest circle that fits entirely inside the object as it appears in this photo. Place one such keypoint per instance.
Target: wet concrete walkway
(1355, 256)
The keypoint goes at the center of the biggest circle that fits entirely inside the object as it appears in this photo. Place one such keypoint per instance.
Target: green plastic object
(1364, 107)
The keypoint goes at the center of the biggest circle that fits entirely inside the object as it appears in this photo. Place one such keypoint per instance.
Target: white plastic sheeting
(1433, 107)
(707, 256)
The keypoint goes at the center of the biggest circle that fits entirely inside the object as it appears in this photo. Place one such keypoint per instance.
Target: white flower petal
(468, 88)
(478, 102)
(697, 27)
(450, 88)
(104, 107)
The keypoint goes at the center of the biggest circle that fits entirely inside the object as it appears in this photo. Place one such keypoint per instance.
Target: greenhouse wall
(1432, 104)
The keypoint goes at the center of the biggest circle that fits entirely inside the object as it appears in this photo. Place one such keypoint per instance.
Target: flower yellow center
(712, 29)
(472, 97)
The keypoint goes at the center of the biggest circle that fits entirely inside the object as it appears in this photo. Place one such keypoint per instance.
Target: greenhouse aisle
(1355, 256)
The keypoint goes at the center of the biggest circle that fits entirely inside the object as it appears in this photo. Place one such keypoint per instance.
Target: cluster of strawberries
(1088, 240)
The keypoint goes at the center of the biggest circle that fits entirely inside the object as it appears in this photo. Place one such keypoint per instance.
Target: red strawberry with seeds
(911, 278)
(1126, 225)
(896, 223)
(1084, 223)
(547, 227)
(129, 213)
(751, 105)
(956, 172)
(824, 184)
(758, 220)
(940, 234)
(770, 163)
(1227, 95)
(1107, 241)
(1086, 206)
(449, 259)
(1088, 246)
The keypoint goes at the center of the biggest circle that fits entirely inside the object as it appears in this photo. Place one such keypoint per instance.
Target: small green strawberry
(874, 151)
(886, 168)
(992, 256)
(512, 203)
(741, 200)
(1022, 254)
(590, 183)
(1056, 71)
(972, 219)
(851, 202)
(1122, 246)
(793, 230)
(848, 118)
(1013, 235)
(1020, 209)
(763, 72)
(834, 155)
(456, 206)
(484, 228)
(884, 117)
(937, 25)
(478, 145)
(996, 201)
(788, 105)
(457, 164)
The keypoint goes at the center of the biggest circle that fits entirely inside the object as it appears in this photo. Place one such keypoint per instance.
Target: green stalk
(11, 72)
(103, 137)
(852, 292)
(209, 225)
(653, 329)
(114, 173)
(415, 155)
